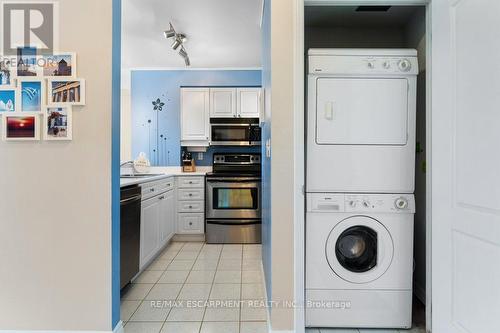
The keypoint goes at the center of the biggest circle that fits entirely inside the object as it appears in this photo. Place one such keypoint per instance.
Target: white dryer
(361, 120)
(359, 260)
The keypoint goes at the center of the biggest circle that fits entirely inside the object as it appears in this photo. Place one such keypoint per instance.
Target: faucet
(128, 163)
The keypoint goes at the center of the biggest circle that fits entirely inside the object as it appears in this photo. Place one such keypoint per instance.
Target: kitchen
(191, 191)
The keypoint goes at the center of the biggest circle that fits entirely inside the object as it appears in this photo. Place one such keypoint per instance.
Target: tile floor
(198, 288)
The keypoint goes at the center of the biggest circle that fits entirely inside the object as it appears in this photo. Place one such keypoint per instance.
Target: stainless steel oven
(235, 132)
(233, 199)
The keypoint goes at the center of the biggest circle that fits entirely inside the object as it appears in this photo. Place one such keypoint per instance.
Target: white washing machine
(359, 260)
(361, 120)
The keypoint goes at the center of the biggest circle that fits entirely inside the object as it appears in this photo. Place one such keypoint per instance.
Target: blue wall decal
(150, 126)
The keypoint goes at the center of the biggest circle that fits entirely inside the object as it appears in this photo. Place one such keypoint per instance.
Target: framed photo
(61, 65)
(66, 91)
(7, 73)
(30, 94)
(28, 62)
(57, 124)
(21, 127)
(8, 99)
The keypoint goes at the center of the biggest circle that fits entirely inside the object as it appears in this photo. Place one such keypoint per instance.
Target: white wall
(55, 200)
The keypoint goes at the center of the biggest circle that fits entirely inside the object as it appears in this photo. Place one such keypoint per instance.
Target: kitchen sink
(140, 175)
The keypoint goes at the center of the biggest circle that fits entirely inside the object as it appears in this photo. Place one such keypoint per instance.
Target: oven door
(233, 198)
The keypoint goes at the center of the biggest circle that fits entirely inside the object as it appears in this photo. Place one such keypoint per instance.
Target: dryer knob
(352, 203)
(404, 65)
(401, 203)
(366, 203)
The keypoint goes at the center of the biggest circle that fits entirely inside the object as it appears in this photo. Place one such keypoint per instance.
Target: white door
(249, 102)
(362, 111)
(150, 229)
(465, 166)
(222, 102)
(195, 113)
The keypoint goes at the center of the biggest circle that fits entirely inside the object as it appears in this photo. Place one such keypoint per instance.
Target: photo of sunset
(20, 127)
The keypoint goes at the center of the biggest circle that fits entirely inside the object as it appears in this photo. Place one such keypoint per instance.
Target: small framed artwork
(21, 127)
(8, 99)
(57, 124)
(28, 62)
(30, 94)
(7, 74)
(61, 65)
(66, 91)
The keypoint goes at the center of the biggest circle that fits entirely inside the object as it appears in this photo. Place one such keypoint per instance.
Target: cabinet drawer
(190, 206)
(191, 194)
(190, 182)
(190, 223)
(154, 188)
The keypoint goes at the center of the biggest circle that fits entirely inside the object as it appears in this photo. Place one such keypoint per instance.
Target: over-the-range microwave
(235, 132)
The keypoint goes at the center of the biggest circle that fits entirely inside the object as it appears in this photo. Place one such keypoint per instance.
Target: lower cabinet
(150, 227)
(167, 217)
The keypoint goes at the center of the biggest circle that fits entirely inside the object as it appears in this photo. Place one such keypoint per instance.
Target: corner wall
(55, 199)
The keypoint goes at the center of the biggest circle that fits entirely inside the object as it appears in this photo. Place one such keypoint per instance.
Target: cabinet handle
(190, 182)
(161, 198)
(190, 206)
(190, 223)
(190, 194)
(151, 190)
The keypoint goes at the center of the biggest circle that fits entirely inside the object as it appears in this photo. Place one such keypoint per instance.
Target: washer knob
(366, 203)
(386, 65)
(371, 64)
(401, 203)
(404, 65)
(352, 203)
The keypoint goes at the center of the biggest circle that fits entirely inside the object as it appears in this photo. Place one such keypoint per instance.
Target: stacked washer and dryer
(360, 182)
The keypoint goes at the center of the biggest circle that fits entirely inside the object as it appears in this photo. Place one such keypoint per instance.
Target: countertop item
(164, 172)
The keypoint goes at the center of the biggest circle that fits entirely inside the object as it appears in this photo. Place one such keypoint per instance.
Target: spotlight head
(187, 62)
(183, 52)
(170, 32)
(176, 44)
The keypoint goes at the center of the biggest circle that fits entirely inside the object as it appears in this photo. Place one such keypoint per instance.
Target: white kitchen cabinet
(150, 227)
(191, 223)
(249, 103)
(195, 116)
(167, 216)
(190, 205)
(222, 102)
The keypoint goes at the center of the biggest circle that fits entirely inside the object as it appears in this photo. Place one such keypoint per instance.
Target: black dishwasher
(130, 232)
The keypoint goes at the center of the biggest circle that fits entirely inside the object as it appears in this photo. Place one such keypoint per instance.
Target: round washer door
(359, 249)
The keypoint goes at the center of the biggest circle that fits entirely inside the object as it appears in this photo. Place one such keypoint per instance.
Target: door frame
(299, 148)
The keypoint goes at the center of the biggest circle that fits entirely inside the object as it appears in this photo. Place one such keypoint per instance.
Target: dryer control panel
(360, 203)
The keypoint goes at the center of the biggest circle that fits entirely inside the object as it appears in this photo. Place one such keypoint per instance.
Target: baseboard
(188, 238)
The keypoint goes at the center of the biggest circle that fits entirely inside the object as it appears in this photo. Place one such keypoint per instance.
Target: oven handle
(234, 222)
(232, 179)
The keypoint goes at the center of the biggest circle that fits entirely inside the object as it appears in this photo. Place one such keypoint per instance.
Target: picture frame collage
(38, 95)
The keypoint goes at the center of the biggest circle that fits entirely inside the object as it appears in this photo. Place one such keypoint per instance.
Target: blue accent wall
(149, 85)
(115, 164)
(266, 135)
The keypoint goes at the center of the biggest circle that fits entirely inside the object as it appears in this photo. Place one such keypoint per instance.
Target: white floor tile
(158, 265)
(192, 246)
(225, 291)
(253, 310)
(251, 265)
(196, 292)
(181, 327)
(150, 311)
(229, 265)
(180, 265)
(148, 277)
(173, 277)
(338, 330)
(253, 327)
(205, 265)
(228, 277)
(137, 292)
(186, 314)
(175, 245)
(230, 255)
(127, 308)
(186, 255)
(222, 314)
(220, 327)
(252, 277)
(232, 248)
(252, 255)
(201, 277)
(168, 254)
(144, 327)
(209, 255)
(252, 291)
(162, 292)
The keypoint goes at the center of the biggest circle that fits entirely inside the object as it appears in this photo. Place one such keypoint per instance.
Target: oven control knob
(404, 65)
(401, 203)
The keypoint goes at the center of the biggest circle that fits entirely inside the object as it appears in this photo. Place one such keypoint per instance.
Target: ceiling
(347, 16)
(221, 33)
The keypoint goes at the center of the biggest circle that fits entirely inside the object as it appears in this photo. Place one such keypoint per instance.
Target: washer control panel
(361, 203)
(363, 65)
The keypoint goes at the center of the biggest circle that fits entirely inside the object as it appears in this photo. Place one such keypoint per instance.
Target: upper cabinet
(248, 102)
(195, 116)
(222, 102)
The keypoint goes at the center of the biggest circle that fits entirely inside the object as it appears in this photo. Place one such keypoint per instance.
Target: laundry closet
(392, 41)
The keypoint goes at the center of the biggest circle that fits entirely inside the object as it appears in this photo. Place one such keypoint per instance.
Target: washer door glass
(356, 249)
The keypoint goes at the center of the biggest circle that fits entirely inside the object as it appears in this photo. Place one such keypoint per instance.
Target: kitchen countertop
(165, 173)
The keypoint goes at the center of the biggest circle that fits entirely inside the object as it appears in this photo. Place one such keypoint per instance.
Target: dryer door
(362, 111)
(359, 249)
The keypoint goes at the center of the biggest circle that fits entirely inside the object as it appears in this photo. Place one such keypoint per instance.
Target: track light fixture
(179, 40)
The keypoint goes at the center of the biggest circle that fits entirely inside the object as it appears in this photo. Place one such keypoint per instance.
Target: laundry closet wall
(55, 199)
